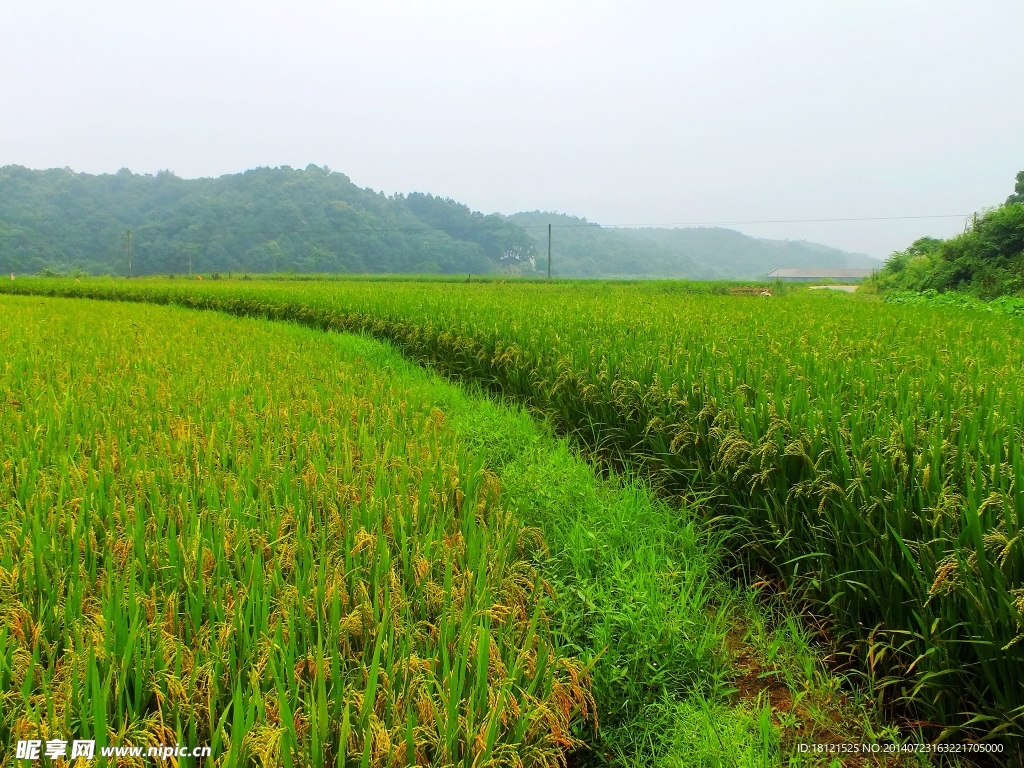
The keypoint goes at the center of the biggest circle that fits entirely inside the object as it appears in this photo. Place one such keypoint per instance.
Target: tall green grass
(870, 454)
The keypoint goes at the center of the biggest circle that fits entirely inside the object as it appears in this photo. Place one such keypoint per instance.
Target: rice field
(868, 455)
(205, 539)
(211, 530)
(865, 456)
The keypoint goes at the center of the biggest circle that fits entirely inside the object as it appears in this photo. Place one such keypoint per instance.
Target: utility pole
(549, 251)
(129, 232)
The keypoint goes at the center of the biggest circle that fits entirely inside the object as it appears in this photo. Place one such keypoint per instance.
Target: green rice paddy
(862, 458)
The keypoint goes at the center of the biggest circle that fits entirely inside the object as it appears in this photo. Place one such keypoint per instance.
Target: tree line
(263, 220)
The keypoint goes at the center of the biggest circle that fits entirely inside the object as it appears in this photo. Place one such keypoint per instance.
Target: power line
(591, 224)
(783, 221)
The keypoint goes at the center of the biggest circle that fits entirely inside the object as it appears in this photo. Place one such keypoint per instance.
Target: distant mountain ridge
(584, 249)
(316, 220)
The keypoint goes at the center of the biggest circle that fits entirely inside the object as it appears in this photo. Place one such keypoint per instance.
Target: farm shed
(804, 274)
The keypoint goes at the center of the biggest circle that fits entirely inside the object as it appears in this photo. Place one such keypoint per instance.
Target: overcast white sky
(623, 112)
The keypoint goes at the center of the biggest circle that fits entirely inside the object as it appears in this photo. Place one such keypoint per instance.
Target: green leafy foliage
(1003, 305)
(986, 261)
(1018, 190)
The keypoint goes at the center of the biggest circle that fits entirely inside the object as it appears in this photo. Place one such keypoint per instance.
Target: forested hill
(316, 220)
(583, 249)
(263, 220)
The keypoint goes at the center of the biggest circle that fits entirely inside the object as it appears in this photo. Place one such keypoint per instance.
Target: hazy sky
(623, 112)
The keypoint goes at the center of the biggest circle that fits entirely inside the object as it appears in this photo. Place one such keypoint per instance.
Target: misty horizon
(729, 225)
(658, 114)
